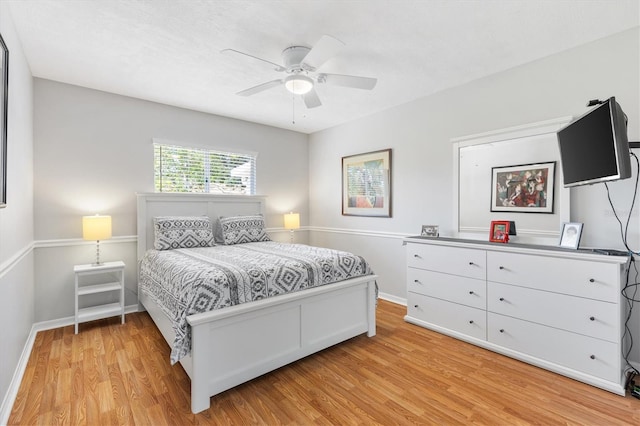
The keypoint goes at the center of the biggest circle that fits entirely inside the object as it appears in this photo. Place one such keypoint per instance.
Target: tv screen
(594, 148)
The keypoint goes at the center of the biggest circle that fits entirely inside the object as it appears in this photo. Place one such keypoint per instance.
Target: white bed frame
(233, 345)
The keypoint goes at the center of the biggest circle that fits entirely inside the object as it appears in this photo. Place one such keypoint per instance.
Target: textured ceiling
(168, 51)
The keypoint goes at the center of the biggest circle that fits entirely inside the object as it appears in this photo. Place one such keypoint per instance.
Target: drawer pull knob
(502, 330)
(417, 281)
(592, 318)
(502, 299)
(591, 280)
(415, 306)
(471, 292)
(592, 357)
(471, 263)
(500, 267)
(471, 322)
(416, 256)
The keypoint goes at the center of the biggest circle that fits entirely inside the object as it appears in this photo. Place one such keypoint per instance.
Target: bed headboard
(151, 205)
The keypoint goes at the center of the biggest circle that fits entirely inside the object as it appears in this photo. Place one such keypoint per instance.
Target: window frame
(208, 150)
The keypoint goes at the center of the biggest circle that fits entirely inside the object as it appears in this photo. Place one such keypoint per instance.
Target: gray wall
(16, 220)
(94, 151)
(420, 135)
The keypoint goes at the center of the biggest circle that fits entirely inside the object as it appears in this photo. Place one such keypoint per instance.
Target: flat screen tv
(594, 148)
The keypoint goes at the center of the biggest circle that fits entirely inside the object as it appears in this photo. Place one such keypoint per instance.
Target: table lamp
(291, 222)
(96, 228)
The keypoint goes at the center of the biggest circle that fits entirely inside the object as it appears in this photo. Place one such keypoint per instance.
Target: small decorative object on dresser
(499, 231)
(429, 231)
(570, 236)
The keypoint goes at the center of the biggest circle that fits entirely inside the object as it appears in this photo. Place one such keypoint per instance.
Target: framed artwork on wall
(4, 99)
(526, 188)
(366, 184)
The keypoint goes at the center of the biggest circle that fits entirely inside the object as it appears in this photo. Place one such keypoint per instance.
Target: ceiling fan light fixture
(298, 84)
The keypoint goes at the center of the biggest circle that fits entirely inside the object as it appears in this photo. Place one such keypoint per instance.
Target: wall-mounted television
(594, 147)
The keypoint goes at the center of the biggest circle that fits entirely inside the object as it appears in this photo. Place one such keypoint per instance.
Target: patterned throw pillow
(172, 232)
(243, 229)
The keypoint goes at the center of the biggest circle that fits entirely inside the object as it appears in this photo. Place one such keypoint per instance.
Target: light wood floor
(120, 374)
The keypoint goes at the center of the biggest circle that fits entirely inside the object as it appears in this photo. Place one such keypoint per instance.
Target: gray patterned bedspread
(190, 281)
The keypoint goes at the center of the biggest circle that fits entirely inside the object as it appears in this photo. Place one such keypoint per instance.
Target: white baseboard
(14, 386)
(393, 299)
(16, 380)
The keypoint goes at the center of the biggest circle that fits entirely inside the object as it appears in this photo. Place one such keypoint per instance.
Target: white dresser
(554, 308)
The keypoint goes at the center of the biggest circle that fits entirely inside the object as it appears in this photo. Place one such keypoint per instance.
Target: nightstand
(110, 278)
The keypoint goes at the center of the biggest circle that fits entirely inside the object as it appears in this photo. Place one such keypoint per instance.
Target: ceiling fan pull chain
(293, 109)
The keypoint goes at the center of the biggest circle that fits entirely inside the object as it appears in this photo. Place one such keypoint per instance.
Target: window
(184, 169)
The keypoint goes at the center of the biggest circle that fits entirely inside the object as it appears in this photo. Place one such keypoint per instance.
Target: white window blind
(184, 169)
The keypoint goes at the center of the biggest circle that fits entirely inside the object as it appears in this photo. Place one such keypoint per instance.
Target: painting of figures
(525, 188)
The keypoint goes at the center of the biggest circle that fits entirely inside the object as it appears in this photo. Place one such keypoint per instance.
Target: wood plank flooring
(120, 374)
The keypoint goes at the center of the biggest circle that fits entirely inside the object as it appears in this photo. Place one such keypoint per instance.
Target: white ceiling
(168, 51)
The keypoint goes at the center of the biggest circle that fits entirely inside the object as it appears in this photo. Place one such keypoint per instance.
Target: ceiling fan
(301, 64)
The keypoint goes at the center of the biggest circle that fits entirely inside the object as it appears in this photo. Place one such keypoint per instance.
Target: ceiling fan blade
(260, 88)
(366, 83)
(311, 99)
(277, 67)
(326, 48)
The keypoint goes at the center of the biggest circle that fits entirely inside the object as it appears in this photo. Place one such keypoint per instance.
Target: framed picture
(4, 99)
(499, 231)
(366, 184)
(527, 188)
(429, 231)
(570, 235)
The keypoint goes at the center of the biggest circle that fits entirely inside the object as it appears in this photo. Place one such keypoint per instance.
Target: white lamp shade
(96, 227)
(292, 221)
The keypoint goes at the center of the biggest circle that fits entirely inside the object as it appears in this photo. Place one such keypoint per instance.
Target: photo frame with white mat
(570, 235)
(430, 231)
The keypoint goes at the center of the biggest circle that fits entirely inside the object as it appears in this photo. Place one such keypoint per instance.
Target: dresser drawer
(451, 260)
(454, 288)
(585, 316)
(452, 316)
(586, 354)
(582, 278)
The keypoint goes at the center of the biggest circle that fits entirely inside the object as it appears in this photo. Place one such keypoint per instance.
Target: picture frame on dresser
(499, 231)
(4, 100)
(570, 235)
(430, 231)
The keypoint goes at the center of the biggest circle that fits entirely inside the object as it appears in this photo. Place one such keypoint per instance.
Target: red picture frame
(499, 231)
